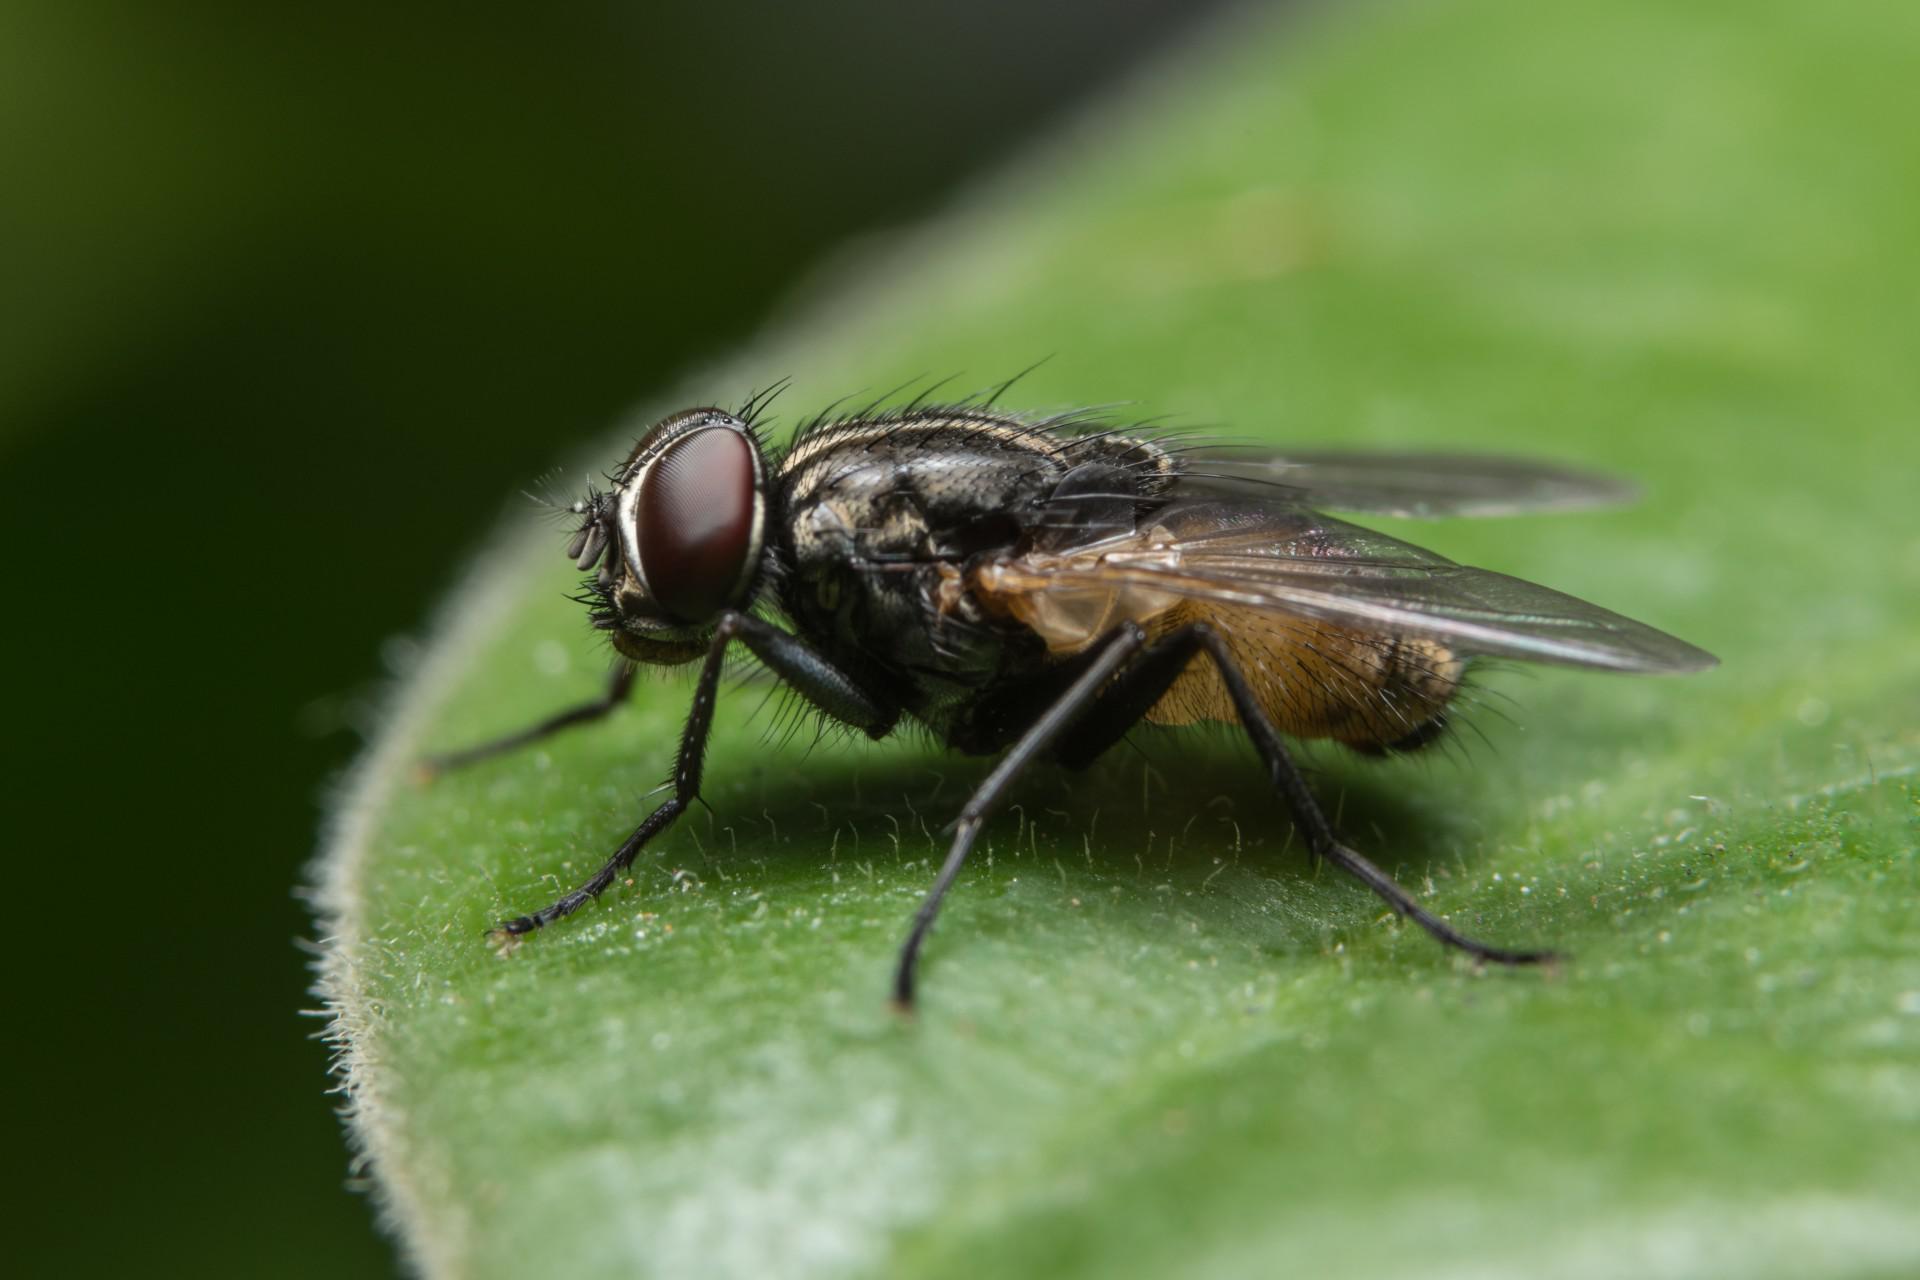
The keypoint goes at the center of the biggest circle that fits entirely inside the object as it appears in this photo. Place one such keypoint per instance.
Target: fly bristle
(756, 404)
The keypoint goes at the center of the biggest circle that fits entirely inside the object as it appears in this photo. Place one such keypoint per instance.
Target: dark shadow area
(1168, 804)
(1176, 780)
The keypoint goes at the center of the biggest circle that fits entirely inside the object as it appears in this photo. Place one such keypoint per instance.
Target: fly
(1035, 588)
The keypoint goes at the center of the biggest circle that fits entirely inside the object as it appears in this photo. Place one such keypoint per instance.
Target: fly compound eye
(696, 522)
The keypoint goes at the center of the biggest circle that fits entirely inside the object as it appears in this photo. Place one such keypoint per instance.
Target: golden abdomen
(1314, 680)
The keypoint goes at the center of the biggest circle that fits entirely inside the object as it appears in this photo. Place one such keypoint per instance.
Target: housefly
(1035, 587)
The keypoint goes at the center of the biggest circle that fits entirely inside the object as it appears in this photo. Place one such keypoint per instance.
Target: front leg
(829, 689)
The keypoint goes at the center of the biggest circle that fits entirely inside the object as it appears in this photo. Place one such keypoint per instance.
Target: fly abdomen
(1374, 693)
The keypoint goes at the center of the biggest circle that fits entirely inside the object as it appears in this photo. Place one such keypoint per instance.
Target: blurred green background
(294, 301)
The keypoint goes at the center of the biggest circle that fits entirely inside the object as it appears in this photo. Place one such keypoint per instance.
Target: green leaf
(1677, 242)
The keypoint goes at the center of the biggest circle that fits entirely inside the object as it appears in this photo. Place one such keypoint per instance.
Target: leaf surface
(1672, 242)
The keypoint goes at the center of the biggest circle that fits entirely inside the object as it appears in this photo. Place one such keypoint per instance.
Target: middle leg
(1119, 646)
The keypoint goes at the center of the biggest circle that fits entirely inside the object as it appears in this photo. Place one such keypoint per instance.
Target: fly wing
(1419, 485)
(1292, 560)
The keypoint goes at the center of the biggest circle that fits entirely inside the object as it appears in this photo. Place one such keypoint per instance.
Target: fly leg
(618, 687)
(1119, 646)
(830, 690)
(1128, 699)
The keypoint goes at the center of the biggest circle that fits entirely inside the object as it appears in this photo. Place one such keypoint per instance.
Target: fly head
(678, 539)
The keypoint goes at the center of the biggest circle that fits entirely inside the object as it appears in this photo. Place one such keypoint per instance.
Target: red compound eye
(694, 521)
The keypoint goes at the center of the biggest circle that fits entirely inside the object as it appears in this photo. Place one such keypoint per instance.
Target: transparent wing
(1420, 485)
(1273, 555)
